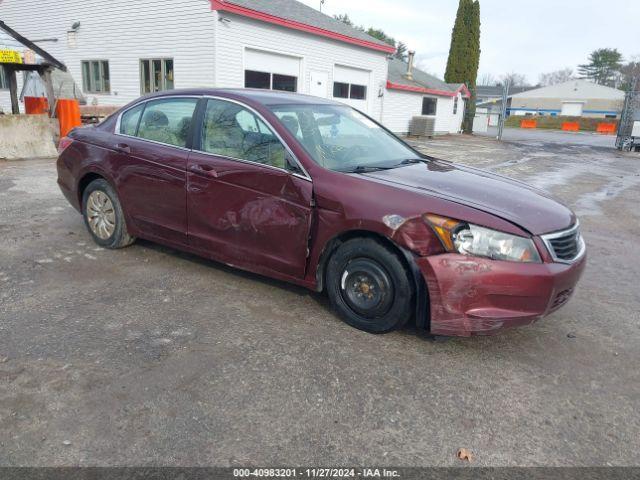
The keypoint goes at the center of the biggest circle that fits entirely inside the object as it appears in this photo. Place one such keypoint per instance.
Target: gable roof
(422, 82)
(574, 89)
(298, 16)
(496, 90)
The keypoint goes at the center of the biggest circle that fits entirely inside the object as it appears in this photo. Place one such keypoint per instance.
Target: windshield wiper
(366, 169)
(411, 161)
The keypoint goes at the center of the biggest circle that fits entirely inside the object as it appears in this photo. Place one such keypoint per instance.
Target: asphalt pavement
(149, 356)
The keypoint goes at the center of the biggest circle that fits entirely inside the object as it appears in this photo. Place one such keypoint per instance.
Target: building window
(429, 106)
(156, 75)
(340, 90)
(285, 83)
(455, 105)
(95, 76)
(270, 81)
(348, 90)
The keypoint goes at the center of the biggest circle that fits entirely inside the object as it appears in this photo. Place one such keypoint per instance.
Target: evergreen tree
(401, 51)
(603, 67)
(464, 54)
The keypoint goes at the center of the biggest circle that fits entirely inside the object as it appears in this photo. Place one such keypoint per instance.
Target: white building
(575, 98)
(412, 92)
(119, 50)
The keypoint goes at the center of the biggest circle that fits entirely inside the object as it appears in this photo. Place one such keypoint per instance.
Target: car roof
(265, 97)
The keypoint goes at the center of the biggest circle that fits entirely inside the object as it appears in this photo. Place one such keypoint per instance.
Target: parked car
(316, 193)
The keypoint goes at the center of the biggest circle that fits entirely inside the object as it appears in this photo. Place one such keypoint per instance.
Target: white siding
(400, 106)
(316, 53)
(122, 32)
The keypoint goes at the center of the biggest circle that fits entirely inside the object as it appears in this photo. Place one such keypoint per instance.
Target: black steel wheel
(369, 286)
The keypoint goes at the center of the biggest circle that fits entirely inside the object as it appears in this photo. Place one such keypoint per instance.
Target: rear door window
(130, 119)
(167, 121)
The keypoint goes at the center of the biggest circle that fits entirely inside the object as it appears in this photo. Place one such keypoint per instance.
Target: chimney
(411, 54)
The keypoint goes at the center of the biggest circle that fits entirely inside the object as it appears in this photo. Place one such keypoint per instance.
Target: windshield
(342, 139)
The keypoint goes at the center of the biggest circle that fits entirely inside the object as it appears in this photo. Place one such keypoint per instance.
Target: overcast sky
(522, 36)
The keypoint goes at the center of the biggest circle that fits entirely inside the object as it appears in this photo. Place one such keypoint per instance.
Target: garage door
(352, 86)
(572, 109)
(271, 70)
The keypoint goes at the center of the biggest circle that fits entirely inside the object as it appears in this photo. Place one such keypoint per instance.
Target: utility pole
(503, 112)
(321, 4)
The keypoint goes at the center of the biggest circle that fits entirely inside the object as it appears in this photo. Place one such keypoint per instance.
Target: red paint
(225, 6)
(274, 223)
(443, 93)
(476, 296)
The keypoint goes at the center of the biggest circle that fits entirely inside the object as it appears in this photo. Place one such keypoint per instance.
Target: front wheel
(104, 217)
(369, 286)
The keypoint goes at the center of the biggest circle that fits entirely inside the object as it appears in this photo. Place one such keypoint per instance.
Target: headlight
(470, 239)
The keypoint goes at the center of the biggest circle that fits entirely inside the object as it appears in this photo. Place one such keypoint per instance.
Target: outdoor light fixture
(224, 20)
(75, 27)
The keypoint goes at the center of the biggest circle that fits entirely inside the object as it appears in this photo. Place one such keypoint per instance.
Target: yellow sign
(10, 56)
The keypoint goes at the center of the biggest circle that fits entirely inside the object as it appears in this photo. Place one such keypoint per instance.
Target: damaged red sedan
(313, 192)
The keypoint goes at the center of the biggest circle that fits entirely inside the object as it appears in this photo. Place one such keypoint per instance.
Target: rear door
(154, 141)
(245, 205)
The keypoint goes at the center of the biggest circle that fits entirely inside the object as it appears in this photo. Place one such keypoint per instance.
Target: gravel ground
(148, 356)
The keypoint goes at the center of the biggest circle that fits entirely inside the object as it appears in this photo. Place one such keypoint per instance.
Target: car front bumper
(478, 296)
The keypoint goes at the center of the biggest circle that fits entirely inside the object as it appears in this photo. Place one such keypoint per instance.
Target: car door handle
(203, 170)
(123, 147)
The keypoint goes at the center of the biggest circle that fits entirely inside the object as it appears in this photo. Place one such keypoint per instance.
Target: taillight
(64, 144)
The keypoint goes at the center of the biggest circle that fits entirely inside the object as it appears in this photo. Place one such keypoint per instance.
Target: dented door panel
(248, 215)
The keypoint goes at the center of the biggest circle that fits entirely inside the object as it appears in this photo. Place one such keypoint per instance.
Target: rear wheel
(369, 286)
(103, 216)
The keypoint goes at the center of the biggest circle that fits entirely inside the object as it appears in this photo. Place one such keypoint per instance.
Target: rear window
(130, 119)
(165, 121)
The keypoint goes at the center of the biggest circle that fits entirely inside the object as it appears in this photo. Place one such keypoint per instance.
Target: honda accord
(316, 193)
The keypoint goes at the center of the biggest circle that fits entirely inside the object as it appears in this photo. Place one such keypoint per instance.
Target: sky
(521, 36)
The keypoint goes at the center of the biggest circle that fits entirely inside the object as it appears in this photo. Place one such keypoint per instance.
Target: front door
(244, 206)
(153, 146)
(318, 84)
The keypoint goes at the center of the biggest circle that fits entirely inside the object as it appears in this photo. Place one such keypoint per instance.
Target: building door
(572, 109)
(318, 84)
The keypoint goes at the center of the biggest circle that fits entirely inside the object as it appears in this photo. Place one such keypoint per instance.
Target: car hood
(529, 208)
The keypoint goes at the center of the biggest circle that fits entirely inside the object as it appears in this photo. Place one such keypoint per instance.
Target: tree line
(605, 66)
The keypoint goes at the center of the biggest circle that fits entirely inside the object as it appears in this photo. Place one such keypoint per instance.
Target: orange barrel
(68, 112)
(570, 126)
(36, 105)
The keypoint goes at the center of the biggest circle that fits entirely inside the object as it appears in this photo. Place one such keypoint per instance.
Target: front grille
(566, 246)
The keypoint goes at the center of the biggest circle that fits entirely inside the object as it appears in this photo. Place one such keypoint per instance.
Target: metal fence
(629, 137)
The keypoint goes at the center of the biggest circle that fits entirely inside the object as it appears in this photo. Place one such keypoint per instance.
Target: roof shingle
(295, 11)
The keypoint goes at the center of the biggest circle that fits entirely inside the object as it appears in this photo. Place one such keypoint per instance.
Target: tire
(369, 287)
(103, 216)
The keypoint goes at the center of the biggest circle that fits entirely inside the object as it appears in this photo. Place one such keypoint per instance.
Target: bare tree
(515, 79)
(630, 74)
(555, 77)
(487, 79)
